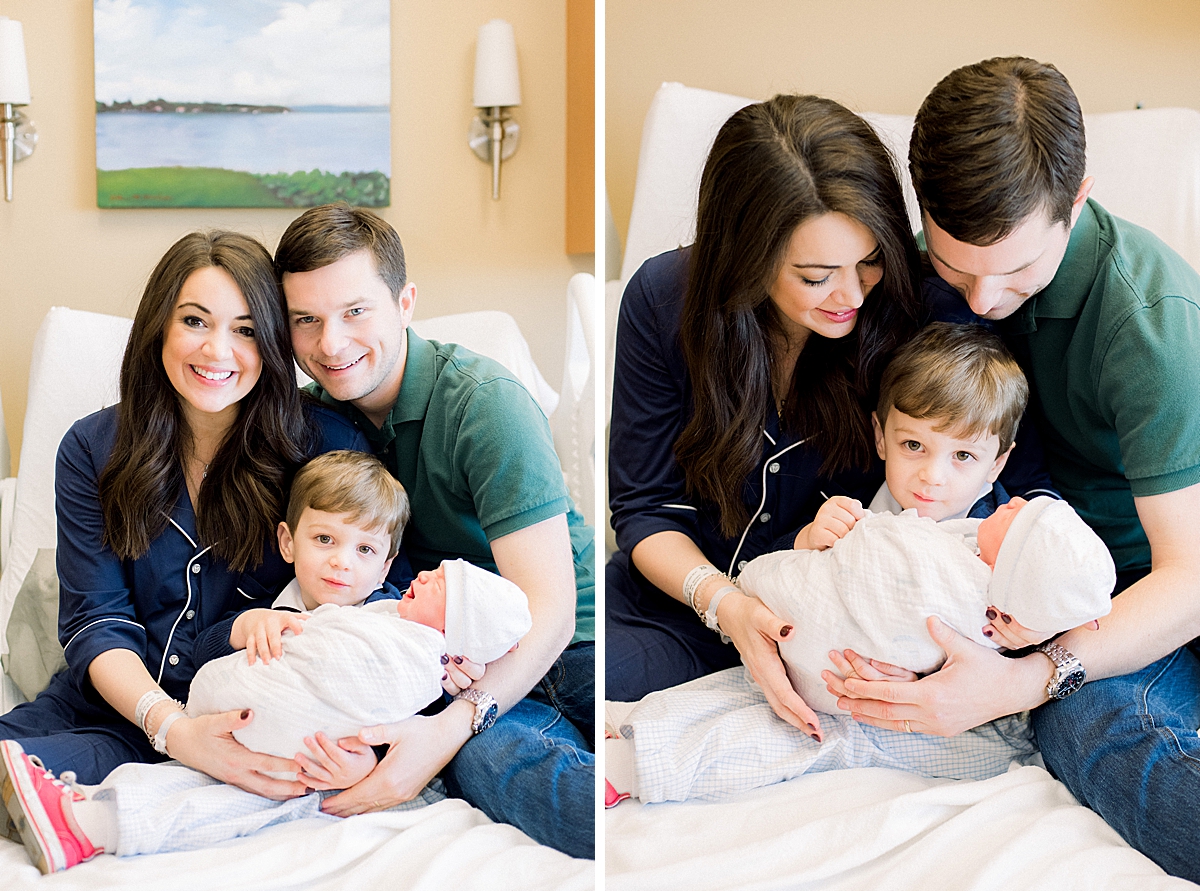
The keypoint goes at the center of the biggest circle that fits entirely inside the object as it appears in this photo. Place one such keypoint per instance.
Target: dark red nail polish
(812, 728)
(987, 632)
(445, 659)
(445, 676)
(245, 713)
(458, 660)
(785, 630)
(991, 614)
(1007, 618)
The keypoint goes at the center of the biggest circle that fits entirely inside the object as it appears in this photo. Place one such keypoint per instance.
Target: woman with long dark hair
(746, 367)
(167, 505)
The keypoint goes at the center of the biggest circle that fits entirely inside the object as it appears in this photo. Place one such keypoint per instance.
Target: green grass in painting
(216, 187)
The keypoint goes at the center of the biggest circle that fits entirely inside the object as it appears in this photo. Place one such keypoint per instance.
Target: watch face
(1070, 683)
(488, 718)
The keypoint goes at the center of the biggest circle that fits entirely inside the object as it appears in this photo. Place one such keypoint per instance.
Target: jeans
(535, 767)
(651, 640)
(1127, 748)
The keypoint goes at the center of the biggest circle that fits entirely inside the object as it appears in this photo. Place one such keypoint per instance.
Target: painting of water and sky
(242, 103)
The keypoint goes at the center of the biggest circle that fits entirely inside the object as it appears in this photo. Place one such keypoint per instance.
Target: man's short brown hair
(960, 376)
(994, 143)
(323, 235)
(354, 483)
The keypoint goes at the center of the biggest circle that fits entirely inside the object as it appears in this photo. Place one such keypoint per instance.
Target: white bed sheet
(873, 829)
(447, 845)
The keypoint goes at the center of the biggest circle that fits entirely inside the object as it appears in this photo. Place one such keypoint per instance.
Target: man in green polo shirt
(1105, 319)
(474, 452)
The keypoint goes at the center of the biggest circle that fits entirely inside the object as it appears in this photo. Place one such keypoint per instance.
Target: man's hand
(420, 747)
(260, 632)
(836, 517)
(207, 744)
(756, 631)
(975, 685)
(334, 765)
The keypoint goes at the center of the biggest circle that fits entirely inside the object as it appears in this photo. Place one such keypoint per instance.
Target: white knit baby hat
(1052, 572)
(485, 613)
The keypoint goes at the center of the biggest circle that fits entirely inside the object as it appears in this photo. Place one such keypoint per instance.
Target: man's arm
(1150, 619)
(538, 560)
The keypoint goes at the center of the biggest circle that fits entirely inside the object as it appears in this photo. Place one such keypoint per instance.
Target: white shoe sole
(20, 798)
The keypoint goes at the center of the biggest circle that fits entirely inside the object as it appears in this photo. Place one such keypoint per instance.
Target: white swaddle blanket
(872, 591)
(351, 667)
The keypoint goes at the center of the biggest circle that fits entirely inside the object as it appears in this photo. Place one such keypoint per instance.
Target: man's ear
(285, 541)
(407, 302)
(998, 464)
(1085, 189)
(880, 446)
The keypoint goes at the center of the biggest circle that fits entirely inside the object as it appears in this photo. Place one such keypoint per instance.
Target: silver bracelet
(692, 581)
(160, 738)
(148, 700)
(710, 614)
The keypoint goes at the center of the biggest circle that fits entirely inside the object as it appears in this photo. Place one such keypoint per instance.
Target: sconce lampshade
(14, 75)
(496, 79)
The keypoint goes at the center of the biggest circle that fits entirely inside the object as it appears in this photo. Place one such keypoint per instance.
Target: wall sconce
(494, 134)
(16, 132)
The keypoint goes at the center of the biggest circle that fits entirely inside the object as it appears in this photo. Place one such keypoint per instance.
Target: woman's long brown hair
(243, 496)
(773, 166)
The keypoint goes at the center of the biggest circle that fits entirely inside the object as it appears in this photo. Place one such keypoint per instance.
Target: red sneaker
(611, 796)
(34, 798)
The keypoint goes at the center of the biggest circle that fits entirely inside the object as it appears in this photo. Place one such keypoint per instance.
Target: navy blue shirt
(161, 604)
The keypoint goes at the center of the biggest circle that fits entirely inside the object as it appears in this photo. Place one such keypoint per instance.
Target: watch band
(1069, 673)
(486, 708)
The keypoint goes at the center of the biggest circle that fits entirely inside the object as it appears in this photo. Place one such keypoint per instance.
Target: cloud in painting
(261, 52)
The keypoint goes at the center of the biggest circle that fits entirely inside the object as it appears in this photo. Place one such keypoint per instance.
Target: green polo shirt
(1112, 349)
(473, 449)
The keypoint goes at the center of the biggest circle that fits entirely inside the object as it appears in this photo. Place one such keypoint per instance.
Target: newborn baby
(357, 666)
(872, 591)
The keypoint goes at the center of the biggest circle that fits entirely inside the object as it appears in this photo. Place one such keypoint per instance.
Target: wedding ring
(907, 729)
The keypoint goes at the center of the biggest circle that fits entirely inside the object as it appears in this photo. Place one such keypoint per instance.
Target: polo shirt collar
(1064, 297)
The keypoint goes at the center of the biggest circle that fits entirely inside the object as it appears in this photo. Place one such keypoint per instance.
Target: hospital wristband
(710, 614)
(148, 700)
(160, 738)
(691, 583)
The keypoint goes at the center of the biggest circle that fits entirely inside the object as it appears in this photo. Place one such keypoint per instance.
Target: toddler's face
(425, 599)
(938, 472)
(336, 561)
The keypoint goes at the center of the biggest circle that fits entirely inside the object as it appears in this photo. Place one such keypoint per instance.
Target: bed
(446, 844)
(876, 828)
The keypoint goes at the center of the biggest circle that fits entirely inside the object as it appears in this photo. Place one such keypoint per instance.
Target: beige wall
(883, 55)
(464, 250)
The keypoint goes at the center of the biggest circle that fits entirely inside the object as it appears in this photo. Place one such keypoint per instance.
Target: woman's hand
(1012, 635)
(836, 517)
(334, 765)
(756, 632)
(207, 744)
(260, 632)
(459, 672)
(974, 685)
(420, 747)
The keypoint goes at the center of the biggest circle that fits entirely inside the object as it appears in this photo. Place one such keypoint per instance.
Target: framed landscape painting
(242, 103)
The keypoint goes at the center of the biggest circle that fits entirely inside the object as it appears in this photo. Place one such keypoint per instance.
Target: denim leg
(651, 640)
(1127, 748)
(570, 687)
(531, 769)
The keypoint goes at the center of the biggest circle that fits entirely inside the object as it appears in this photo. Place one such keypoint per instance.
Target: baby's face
(425, 599)
(336, 561)
(938, 472)
(994, 528)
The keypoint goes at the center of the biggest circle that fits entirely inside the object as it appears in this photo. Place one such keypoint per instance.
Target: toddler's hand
(334, 765)
(836, 517)
(260, 632)
(1009, 633)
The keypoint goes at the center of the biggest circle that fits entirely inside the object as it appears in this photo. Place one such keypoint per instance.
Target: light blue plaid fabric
(717, 736)
(169, 807)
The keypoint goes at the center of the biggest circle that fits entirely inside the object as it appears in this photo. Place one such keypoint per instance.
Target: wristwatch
(1069, 673)
(486, 709)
